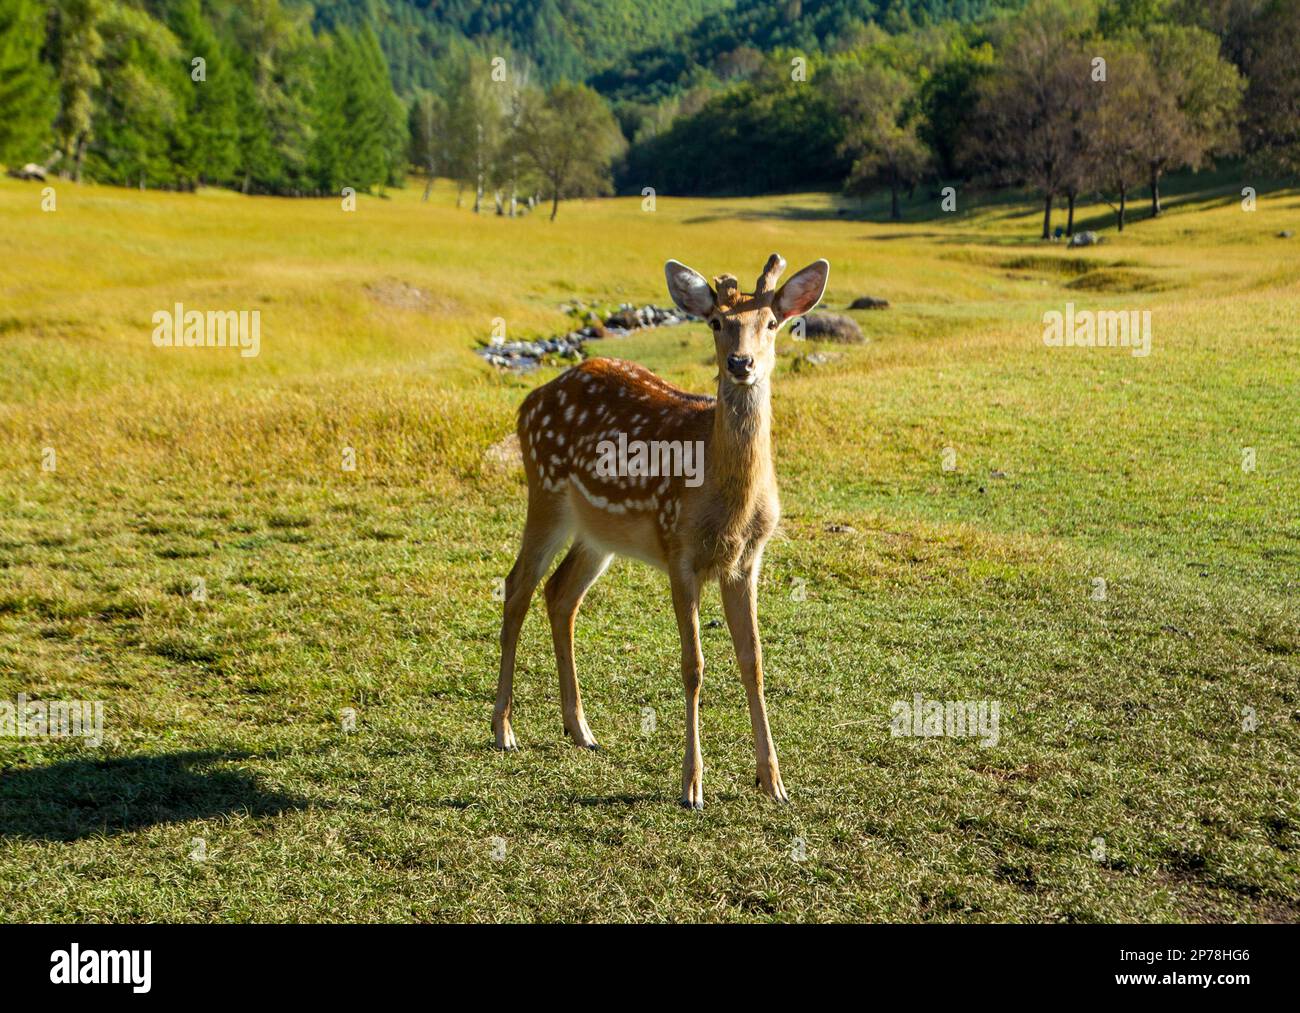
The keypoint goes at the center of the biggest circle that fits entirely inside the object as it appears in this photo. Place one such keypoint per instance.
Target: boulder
(833, 327)
(1086, 238)
(868, 302)
(29, 171)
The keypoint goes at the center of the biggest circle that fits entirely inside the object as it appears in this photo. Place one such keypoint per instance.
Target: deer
(709, 522)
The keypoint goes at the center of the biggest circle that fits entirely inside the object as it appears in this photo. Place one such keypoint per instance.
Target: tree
(1026, 125)
(205, 143)
(1193, 113)
(571, 139)
(275, 49)
(515, 98)
(78, 46)
(879, 109)
(1272, 107)
(424, 122)
(137, 100)
(475, 123)
(946, 98)
(360, 136)
(27, 96)
(1130, 85)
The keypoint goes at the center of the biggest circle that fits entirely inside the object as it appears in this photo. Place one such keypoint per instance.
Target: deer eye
(716, 324)
(771, 324)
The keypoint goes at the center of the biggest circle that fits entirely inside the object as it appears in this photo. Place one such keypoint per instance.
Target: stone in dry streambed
(525, 356)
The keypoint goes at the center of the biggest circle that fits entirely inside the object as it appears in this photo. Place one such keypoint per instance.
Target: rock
(624, 320)
(1285, 234)
(868, 302)
(833, 327)
(29, 171)
(1086, 238)
(801, 362)
(632, 318)
(525, 356)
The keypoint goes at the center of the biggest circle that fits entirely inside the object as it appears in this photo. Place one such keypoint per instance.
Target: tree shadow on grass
(74, 799)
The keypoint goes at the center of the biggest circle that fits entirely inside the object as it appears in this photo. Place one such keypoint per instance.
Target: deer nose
(740, 365)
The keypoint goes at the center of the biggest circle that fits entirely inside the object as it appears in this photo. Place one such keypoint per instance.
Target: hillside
(563, 38)
(764, 25)
(626, 49)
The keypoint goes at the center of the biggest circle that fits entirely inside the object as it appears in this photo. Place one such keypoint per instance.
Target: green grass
(372, 589)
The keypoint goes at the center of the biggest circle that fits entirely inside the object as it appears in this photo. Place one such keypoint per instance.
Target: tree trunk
(895, 212)
(1123, 194)
(428, 186)
(1155, 193)
(460, 193)
(1047, 216)
(555, 203)
(1069, 221)
(478, 192)
(81, 154)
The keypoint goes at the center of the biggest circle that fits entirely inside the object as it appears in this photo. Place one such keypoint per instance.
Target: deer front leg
(686, 604)
(740, 603)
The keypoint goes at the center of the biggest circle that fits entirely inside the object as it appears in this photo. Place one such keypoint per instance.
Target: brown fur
(714, 530)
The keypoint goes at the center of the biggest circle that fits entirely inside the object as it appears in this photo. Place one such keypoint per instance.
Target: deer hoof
(506, 742)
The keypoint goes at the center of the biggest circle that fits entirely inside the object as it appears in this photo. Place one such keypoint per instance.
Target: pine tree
(27, 96)
(77, 45)
(137, 101)
(206, 140)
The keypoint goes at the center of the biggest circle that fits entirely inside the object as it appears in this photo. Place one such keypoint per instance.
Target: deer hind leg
(544, 532)
(740, 604)
(564, 592)
(686, 604)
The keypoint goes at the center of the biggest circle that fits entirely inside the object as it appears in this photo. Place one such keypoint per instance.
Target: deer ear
(689, 290)
(802, 292)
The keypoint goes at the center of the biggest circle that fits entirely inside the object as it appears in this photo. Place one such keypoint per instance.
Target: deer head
(745, 325)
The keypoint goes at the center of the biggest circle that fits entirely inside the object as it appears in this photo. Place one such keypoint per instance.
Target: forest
(523, 102)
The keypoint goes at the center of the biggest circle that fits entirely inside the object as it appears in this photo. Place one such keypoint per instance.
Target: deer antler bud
(728, 289)
(771, 272)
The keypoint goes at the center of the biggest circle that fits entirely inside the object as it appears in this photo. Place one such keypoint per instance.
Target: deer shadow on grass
(75, 799)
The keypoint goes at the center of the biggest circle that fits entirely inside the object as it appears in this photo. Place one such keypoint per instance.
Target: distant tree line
(177, 93)
(1067, 98)
(1072, 98)
(265, 96)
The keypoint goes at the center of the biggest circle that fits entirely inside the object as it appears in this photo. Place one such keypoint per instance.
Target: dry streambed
(525, 356)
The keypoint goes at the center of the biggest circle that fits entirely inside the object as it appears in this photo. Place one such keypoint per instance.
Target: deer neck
(739, 463)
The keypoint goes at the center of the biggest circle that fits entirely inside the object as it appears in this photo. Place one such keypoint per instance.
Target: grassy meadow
(311, 741)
